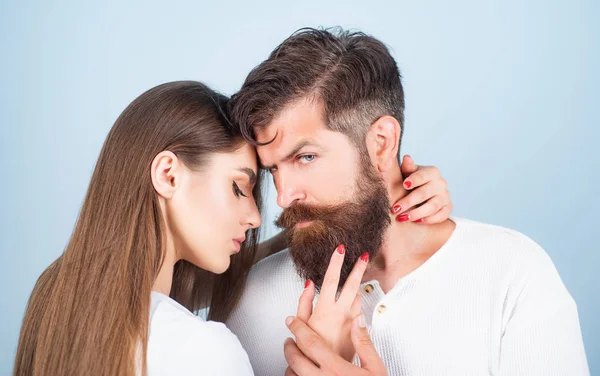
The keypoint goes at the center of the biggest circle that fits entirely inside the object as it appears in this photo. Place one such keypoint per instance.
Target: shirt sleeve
(542, 335)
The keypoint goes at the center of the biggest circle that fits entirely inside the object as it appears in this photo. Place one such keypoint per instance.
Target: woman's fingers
(431, 207)
(298, 362)
(356, 307)
(408, 166)
(331, 280)
(421, 195)
(440, 216)
(369, 359)
(352, 284)
(305, 303)
(423, 175)
(310, 355)
(311, 344)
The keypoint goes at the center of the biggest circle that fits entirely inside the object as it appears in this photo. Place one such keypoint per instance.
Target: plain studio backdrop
(502, 96)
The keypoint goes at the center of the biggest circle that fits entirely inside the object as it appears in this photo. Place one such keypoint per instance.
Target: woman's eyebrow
(250, 172)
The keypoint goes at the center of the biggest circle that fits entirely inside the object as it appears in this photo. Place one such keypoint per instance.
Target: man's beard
(359, 224)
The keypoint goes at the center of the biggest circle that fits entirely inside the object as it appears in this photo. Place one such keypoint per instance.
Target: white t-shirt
(181, 343)
(489, 302)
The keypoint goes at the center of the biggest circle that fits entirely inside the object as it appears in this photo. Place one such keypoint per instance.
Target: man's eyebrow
(250, 172)
(294, 151)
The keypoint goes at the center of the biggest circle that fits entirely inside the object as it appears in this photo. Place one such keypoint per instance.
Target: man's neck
(406, 246)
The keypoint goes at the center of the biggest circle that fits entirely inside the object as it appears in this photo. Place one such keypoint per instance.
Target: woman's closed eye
(237, 191)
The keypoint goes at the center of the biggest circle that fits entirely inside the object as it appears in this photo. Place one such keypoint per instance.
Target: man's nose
(288, 190)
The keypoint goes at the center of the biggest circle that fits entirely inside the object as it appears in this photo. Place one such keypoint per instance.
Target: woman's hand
(428, 200)
(332, 316)
(310, 355)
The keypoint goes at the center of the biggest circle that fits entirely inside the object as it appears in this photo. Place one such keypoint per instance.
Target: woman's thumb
(369, 359)
(408, 166)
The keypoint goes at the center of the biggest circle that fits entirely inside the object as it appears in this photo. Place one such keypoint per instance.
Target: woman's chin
(222, 266)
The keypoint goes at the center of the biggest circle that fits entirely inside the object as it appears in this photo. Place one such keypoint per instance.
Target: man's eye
(306, 158)
(238, 192)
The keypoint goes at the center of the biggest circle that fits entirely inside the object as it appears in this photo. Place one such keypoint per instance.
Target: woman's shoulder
(169, 318)
(178, 338)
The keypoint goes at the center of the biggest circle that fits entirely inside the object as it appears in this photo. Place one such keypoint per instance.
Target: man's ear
(165, 172)
(383, 142)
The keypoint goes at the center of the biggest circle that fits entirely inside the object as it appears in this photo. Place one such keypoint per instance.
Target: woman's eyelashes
(238, 192)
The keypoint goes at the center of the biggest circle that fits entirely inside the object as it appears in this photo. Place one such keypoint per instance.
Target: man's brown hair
(351, 73)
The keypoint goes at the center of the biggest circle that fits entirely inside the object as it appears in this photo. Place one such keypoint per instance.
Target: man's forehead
(299, 122)
(284, 144)
(297, 119)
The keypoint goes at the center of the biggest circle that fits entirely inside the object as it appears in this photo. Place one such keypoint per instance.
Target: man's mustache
(303, 213)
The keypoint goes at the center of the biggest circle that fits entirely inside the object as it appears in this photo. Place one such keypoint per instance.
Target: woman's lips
(237, 244)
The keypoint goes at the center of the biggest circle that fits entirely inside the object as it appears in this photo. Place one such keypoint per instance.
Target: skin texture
(314, 166)
(204, 211)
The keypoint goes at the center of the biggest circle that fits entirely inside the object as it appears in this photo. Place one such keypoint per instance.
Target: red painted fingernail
(341, 249)
(407, 184)
(307, 283)
(420, 220)
(396, 209)
(365, 257)
(403, 218)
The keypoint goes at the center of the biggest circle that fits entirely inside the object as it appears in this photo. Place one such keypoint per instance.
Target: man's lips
(303, 224)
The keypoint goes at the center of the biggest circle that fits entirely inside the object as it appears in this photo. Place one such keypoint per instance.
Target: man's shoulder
(275, 271)
(278, 265)
(499, 245)
(485, 234)
(271, 294)
(271, 281)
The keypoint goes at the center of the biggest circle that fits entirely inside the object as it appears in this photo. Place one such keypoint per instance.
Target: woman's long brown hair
(88, 313)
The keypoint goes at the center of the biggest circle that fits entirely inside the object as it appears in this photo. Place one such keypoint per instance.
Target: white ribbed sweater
(489, 302)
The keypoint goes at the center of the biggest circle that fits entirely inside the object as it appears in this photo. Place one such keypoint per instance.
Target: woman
(171, 210)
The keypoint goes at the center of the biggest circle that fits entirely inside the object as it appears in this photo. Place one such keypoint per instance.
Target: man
(326, 110)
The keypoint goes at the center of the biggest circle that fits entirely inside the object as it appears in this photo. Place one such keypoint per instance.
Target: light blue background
(502, 96)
